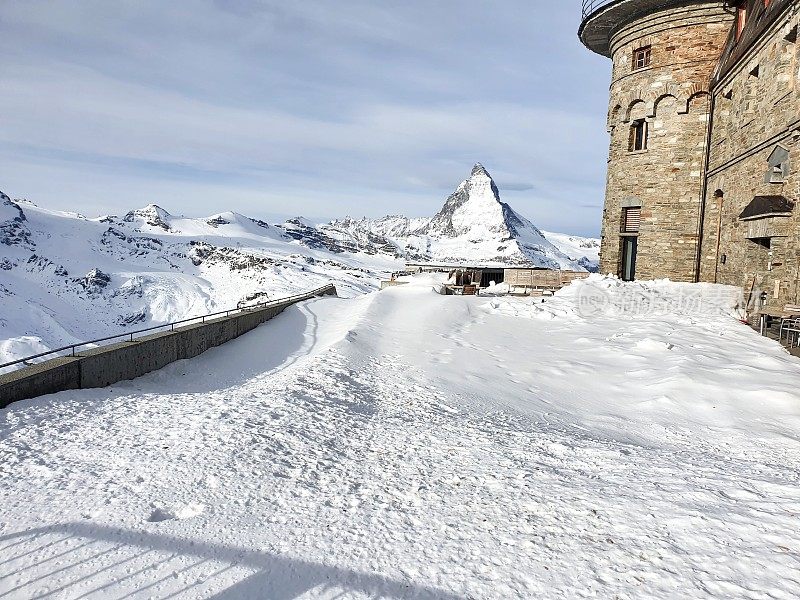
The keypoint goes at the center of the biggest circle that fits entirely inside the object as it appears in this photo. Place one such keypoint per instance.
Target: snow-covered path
(411, 445)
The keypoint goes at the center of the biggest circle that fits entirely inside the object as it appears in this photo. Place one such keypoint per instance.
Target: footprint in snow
(184, 511)
(651, 345)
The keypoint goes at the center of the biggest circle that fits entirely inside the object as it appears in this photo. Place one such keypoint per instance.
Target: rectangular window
(641, 57)
(631, 218)
(638, 139)
(629, 248)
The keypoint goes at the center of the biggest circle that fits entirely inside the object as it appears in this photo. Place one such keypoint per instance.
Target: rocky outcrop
(151, 215)
(94, 282)
(13, 229)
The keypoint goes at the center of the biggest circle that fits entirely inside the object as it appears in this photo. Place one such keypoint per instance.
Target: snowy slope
(585, 250)
(410, 445)
(66, 278)
(473, 227)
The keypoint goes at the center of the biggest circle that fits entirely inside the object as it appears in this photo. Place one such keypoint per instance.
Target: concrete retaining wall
(103, 366)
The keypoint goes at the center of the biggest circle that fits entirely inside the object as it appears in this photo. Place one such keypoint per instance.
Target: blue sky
(314, 108)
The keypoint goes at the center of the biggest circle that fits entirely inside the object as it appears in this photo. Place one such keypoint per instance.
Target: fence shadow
(121, 563)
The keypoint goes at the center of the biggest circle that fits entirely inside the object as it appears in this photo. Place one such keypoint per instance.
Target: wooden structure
(529, 281)
(459, 290)
(469, 280)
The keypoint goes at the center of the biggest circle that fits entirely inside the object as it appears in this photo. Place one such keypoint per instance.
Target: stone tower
(663, 55)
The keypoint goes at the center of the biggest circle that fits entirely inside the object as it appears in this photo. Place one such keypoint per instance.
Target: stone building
(704, 119)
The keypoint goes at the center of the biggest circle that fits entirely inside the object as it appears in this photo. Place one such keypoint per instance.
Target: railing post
(589, 6)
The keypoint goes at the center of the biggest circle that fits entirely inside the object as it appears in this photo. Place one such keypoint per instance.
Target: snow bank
(409, 445)
(25, 345)
(605, 296)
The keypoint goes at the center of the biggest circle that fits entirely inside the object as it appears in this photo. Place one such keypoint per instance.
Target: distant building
(704, 119)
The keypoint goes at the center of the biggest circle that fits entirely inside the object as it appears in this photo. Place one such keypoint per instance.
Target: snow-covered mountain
(474, 226)
(585, 250)
(66, 278)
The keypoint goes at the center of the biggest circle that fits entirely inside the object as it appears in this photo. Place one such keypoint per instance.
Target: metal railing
(202, 319)
(589, 6)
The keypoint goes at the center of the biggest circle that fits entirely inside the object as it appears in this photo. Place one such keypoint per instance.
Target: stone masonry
(756, 116)
(720, 99)
(671, 95)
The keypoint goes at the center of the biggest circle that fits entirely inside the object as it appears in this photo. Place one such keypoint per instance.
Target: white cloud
(306, 108)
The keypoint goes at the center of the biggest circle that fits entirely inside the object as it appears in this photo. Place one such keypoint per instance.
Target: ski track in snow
(409, 445)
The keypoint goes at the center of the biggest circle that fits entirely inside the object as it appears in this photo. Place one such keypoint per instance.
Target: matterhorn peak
(475, 222)
(474, 204)
(479, 169)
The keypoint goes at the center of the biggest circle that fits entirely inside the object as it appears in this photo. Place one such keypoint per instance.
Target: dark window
(631, 218)
(638, 139)
(763, 242)
(489, 275)
(641, 57)
(629, 248)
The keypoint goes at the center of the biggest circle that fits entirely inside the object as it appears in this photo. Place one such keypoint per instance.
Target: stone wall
(103, 366)
(756, 110)
(672, 95)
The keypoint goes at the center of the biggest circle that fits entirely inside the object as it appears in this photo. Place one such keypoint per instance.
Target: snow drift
(605, 296)
(410, 445)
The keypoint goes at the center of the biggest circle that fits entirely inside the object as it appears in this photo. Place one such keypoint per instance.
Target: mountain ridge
(473, 226)
(66, 278)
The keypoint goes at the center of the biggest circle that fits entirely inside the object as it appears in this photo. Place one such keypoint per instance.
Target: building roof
(759, 19)
(767, 206)
(601, 18)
